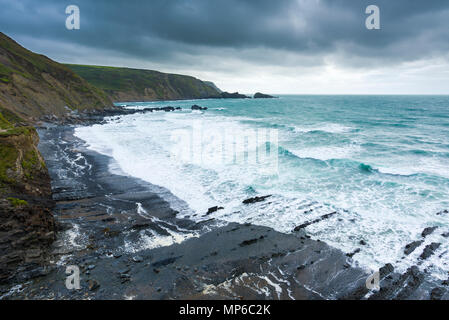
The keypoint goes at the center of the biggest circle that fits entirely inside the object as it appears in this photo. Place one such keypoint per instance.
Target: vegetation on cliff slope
(26, 219)
(32, 85)
(20, 160)
(124, 84)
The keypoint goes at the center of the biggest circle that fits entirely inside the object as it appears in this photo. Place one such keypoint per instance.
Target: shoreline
(102, 217)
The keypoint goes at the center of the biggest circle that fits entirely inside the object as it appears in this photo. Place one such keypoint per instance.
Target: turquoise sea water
(381, 162)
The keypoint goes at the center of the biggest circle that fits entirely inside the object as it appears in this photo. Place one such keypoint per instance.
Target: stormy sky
(273, 46)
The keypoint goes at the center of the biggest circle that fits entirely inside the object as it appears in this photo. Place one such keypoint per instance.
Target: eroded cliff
(26, 221)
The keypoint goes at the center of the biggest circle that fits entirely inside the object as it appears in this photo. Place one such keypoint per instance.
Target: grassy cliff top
(32, 85)
(141, 83)
(16, 59)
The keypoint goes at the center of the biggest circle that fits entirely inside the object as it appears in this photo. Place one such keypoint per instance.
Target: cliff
(125, 84)
(32, 85)
(26, 220)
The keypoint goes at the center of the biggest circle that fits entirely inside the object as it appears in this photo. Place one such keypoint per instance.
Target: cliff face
(32, 85)
(26, 220)
(124, 84)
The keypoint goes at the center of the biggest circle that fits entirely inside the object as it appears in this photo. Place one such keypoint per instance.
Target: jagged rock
(412, 246)
(124, 277)
(250, 242)
(235, 95)
(324, 217)
(413, 279)
(352, 254)
(214, 209)
(256, 199)
(386, 270)
(428, 231)
(197, 107)
(442, 212)
(140, 226)
(437, 293)
(429, 250)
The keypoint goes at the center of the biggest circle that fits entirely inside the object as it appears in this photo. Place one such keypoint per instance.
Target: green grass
(4, 70)
(9, 153)
(113, 79)
(8, 157)
(5, 73)
(11, 117)
(29, 163)
(17, 202)
(4, 124)
(22, 57)
(32, 66)
(17, 131)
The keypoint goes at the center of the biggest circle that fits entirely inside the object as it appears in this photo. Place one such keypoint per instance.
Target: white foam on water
(429, 165)
(14, 290)
(260, 284)
(73, 238)
(385, 212)
(328, 152)
(150, 239)
(325, 127)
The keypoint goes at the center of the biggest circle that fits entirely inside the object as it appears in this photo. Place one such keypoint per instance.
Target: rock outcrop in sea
(259, 95)
(235, 95)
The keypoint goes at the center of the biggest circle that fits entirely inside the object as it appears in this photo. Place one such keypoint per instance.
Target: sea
(380, 162)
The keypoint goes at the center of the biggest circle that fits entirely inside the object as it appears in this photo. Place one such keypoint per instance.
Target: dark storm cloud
(160, 29)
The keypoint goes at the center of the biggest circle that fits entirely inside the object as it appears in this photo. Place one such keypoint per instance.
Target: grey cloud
(171, 30)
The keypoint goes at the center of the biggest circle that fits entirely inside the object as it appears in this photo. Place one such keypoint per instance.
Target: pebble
(93, 285)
